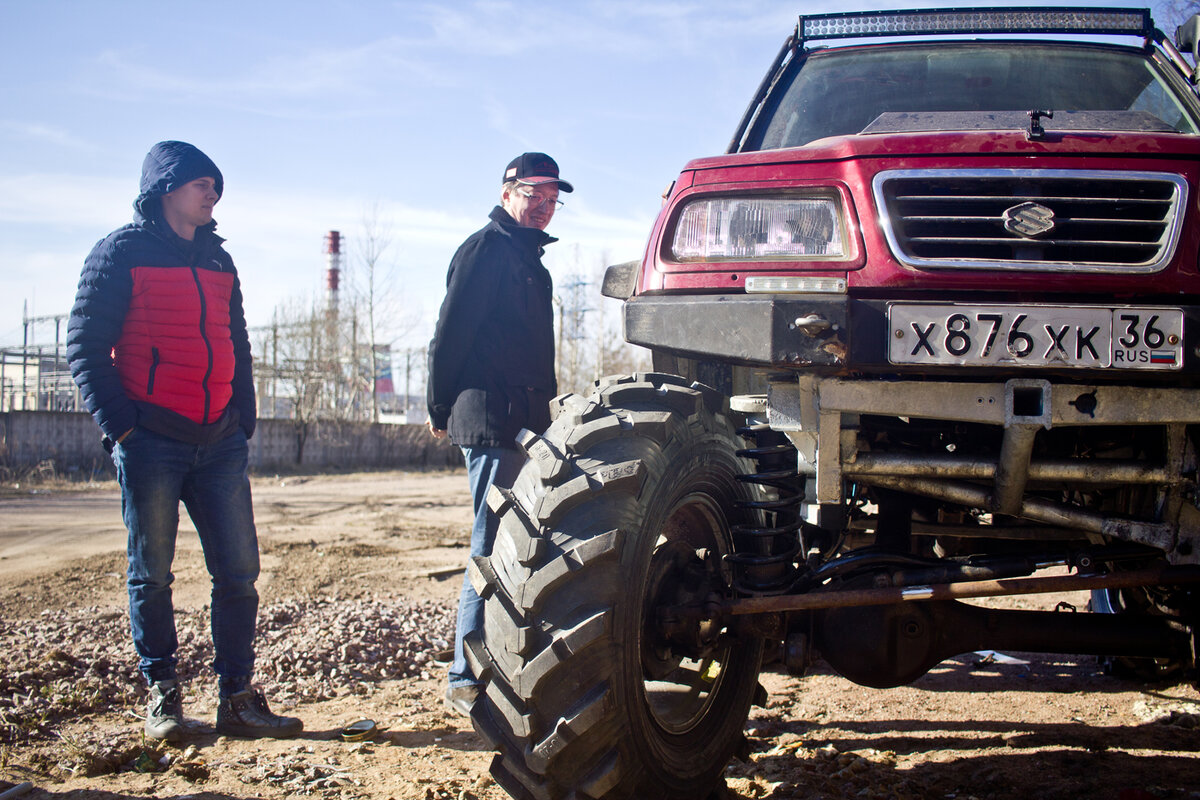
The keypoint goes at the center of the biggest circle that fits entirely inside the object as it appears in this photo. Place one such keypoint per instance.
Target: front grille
(1084, 220)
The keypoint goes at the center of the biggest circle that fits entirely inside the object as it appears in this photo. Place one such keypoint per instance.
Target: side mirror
(1187, 37)
(620, 280)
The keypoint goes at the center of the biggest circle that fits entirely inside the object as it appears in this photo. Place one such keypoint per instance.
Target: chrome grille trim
(948, 219)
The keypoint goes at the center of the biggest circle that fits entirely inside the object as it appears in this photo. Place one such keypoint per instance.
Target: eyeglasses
(537, 200)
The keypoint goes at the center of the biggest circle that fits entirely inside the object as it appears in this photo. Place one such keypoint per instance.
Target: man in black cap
(491, 361)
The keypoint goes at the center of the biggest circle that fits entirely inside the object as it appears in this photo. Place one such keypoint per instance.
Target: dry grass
(46, 476)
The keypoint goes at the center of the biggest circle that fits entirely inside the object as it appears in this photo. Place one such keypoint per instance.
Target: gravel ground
(63, 665)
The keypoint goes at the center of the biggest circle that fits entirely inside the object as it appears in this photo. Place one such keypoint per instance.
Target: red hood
(847, 165)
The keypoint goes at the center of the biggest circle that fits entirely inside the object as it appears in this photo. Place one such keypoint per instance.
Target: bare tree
(589, 341)
(378, 299)
(299, 371)
(614, 356)
(1170, 14)
(574, 348)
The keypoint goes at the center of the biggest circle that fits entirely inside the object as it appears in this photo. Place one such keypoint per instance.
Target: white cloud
(67, 200)
(46, 134)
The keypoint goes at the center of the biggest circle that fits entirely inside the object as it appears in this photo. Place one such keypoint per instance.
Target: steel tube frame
(867, 465)
(962, 590)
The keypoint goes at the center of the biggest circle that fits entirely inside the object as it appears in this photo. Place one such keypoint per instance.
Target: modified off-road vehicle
(929, 330)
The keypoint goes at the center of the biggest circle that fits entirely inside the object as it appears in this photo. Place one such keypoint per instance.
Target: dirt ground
(1004, 725)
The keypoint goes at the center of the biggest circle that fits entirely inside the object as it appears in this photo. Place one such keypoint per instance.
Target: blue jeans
(486, 466)
(156, 473)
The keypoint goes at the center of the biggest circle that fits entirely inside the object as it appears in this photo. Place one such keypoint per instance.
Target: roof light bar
(863, 24)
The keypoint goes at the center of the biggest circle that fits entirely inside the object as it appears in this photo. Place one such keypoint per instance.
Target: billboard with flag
(383, 370)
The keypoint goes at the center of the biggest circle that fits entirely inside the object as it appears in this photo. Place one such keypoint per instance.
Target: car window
(839, 92)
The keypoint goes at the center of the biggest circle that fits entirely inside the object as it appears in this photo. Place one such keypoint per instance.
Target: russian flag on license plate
(1162, 356)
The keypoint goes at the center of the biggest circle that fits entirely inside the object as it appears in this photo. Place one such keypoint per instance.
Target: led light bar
(864, 24)
(782, 284)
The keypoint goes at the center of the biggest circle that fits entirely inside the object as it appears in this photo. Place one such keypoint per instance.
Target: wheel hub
(680, 577)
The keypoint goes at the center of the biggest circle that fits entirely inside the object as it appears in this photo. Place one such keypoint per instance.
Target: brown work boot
(164, 711)
(246, 714)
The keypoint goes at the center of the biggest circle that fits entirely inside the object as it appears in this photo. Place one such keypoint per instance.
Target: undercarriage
(909, 496)
(1117, 462)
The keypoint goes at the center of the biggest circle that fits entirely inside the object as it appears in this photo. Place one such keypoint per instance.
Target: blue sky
(322, 114)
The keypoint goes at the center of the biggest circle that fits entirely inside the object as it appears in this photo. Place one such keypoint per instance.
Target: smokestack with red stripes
(333, 256)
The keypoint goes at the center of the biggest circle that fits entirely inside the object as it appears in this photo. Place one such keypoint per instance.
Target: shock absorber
(765, 552)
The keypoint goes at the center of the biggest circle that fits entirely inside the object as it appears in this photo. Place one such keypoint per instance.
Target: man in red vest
(158, 346)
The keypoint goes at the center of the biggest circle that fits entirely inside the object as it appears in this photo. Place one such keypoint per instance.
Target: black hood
(168, 166)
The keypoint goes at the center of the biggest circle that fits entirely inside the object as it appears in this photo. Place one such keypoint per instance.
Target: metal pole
(274, 367)
(25, 360)
(408, 354)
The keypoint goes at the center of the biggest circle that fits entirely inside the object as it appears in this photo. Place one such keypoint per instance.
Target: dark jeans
(486, 466)
(156, 473)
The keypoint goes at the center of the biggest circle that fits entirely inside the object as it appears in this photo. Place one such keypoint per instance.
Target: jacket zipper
(207, 345)
(153, 370)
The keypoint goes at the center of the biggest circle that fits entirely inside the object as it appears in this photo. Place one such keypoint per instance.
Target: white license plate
(1036, 336)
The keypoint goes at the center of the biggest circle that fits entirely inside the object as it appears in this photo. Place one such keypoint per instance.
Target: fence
(69, 442)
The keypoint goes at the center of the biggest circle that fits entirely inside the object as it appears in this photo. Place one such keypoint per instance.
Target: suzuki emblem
(1029, 220)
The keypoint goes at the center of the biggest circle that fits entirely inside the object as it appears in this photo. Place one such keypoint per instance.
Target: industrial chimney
(333, 255)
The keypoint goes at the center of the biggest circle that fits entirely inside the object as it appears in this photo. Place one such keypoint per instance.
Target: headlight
(738, 228)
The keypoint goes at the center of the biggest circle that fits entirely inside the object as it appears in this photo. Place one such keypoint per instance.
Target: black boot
(246, 714)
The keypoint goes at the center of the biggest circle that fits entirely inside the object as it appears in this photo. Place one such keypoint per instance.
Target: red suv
(927, 331)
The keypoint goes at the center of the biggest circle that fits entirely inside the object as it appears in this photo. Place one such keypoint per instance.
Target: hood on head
(168, 166)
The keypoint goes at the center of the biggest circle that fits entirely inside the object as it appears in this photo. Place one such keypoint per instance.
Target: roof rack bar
(789, 46)
(1024, 20)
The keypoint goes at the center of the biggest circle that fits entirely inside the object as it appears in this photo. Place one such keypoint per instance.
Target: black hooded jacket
(491, 361)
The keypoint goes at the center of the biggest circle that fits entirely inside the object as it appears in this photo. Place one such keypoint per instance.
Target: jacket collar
(522, 236)
(205, 238)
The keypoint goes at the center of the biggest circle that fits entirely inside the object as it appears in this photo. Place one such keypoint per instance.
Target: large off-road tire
(625, 506)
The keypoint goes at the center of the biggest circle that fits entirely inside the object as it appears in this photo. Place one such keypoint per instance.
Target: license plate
(1036, 336)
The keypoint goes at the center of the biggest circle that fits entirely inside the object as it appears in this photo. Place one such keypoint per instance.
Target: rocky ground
(360, 576)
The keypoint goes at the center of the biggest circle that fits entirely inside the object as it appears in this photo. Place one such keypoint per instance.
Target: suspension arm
(1159, 576)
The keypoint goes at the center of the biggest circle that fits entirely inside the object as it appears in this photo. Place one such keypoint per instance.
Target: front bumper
(771, 330)
(834, 334)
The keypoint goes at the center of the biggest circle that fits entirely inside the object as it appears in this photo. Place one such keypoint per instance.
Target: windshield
(839, 92)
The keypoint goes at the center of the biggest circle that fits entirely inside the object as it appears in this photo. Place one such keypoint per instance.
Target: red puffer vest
(160, 357)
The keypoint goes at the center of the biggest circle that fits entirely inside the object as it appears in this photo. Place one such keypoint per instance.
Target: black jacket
(491, 361)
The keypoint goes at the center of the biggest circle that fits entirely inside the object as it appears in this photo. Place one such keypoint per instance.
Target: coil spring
(764, 554)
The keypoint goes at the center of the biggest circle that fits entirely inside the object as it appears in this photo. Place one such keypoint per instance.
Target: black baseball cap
(534, 169)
